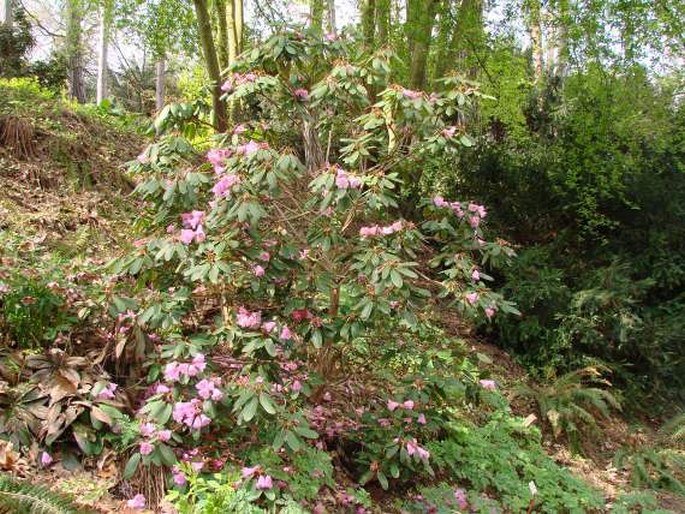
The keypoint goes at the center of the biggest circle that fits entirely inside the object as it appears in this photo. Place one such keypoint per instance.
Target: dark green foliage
(653, 468)
(17, 496)
(15, 42)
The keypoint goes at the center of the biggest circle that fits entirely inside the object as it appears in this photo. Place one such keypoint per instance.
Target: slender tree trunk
(74, 51)
(562, 37)
(239, 24)
(102, 52)
(6, 13)
(222, 33)
(316, 15)
(420, 22)
(467, 35)
(231, 34)
(368, 17)
(535, 31)
(160, 83)
(330, 11)
(211, 62)
(383, 20)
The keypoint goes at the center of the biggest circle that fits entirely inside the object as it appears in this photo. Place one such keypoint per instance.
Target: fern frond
(17, 496)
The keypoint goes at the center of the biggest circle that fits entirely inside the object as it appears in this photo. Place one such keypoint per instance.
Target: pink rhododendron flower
(409, 404)
(143, 158)
(412, 95)
(265, 256)
(460, 497)
(179, 478)
(264, 482)
(146, 448)
(449, 132)
(197, 466)
(170, 229)
(162, 389)
(258, 270)
(248, 472)
(192, 219)
(489, 385)
(330, 36)
(108, 392)
(439, 201)
(302, 94)
(474, 221)
(286, 334)
(301, 314)
(172, 373)
(296, 386)
(369, 231)
(164, 435)
(224, 186)
(472, 297)
(45, 459)
(218, 156)
(147, 429)
(187, 236)
(421, 420)
(247, 319)
(490, 312)
(200, 421)
(475, 276)
(268, 326)
(239, 129)
(392, 405)
(137, 502)
(248, 148)
(384, 422)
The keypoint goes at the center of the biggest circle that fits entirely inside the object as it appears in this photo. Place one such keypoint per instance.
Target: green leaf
(251, 409)
(293, 441)
(266, 403)
(167, 455)
(383, 480)
(132, 465)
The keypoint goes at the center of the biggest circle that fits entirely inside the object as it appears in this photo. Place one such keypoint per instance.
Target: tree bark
(74, 51)
(222, 33)
(383, 20)
(101, 93)
(420, 22)
(239, 24)
(368, 17)
(6, 13)
(316, 15)
(211, 62)
(331, 17)
(467, 34)
(535, 31)
(160, 83)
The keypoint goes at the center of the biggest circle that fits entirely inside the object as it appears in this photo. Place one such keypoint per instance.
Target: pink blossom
(248, 148)
(146, 448)
(258, 270)
(187, 236)
(239, 129)
(421, 419)
(392, 405)
(170, 229)
(265, 256)
(474, 221)
(296, 386)
(192, 219)
(45, 459)
(204, 388)
(490, 312)
(285, 334)
(301, 94)
(108, 392)
(439, 201)
(179, 478)
(224, 186)
(264, 482)
(143, 158)
(475, 276)
(409, 404)
(172, 373)
(217, 156)
(197, 466)
(268, 326)
(412, 95)
(472, 297)
(162, 389)
(489, 385)
(247, 319)
(449, 132)
(147, 429)
(369, 231)
(164, 435)
(384, 422)
(460, 497)
(201, 421)
(137, 502)
(248, 472)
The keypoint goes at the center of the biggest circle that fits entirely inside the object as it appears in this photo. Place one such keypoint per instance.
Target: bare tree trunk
(535, 30)
(420, 21)
(331, 17)
(211, 62)
(383, 20)
(102, 53)
(6, 13)
(316, 15)
(222, 33)
(160, 82)
(239, 24)
(368, 17)
(75, 87)
(562, 37)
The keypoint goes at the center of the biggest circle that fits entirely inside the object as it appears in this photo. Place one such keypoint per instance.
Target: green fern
(19, 497)
(572, 403)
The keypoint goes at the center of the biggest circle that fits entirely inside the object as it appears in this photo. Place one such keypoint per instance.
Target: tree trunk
(102, 52)
(160, 82)
(467, 34)
(330, 11)
(368, 16)
(74, 51)
(6, 13)
(383, 20)
(562, 37)
(222, 33)
(211, 62)
(316, 15)
(420, 22)
(535, 31)
(239, 24)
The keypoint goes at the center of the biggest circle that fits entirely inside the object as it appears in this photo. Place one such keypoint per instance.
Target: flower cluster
(238, 79)
(218, 156)
(474, 212)
(412, 95)
(108, 392)
(190, 414)
(174, 371)
(207, 389)
(376, 230)
(301, 94)
(192, 223)
(137, 502)
(488, 385)
(345, 181)
(413, 448)
(264, 481)
(251, 147)
(224, 185)
(253, 321)
(449, 132)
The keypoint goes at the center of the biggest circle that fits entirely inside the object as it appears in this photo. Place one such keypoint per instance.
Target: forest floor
(63, 194)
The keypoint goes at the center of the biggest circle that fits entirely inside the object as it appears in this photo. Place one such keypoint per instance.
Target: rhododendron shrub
(290, 238)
